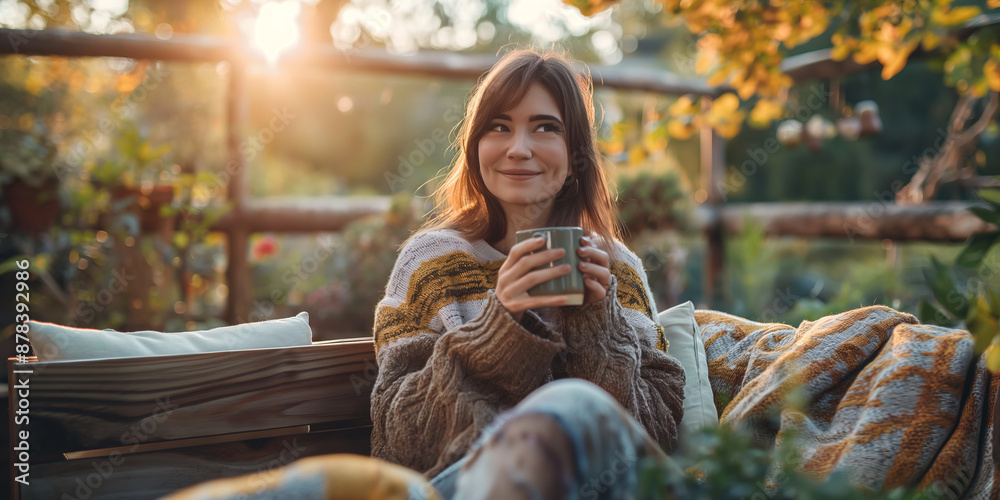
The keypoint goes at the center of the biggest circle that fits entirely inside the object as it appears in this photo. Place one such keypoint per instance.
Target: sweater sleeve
(616, 347)
(437, 386)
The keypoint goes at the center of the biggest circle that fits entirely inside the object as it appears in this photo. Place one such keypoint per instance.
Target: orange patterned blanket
(869, 392)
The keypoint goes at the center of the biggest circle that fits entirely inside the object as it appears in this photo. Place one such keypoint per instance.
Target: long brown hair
(464, 203)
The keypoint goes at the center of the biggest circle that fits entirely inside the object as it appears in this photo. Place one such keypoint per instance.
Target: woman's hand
(594, 264)
(517, 275)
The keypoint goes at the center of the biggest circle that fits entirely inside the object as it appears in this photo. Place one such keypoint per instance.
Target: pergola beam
(934, 221)
(202, 48)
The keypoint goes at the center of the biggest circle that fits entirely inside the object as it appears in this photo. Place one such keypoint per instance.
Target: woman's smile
(520, 175)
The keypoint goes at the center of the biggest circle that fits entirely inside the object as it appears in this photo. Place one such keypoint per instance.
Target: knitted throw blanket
(869, 392)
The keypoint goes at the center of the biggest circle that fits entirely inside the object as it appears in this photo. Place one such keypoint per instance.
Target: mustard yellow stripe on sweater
(437, 282)
(459, 277)
(632, 294)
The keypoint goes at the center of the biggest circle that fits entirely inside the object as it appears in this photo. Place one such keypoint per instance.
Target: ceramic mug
(567, 238)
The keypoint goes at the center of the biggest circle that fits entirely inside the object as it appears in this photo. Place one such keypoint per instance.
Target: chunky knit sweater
(451, 358)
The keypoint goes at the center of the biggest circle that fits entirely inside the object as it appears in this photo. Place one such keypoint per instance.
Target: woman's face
(524, 158)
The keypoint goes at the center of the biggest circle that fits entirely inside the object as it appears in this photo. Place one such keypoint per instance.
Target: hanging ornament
(790, 133)
(867, 113)
(817, 130)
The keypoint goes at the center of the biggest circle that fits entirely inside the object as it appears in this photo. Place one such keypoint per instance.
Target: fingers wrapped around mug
(517, 275)
(595, 266)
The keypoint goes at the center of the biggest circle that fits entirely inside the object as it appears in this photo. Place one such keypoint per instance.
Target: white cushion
(681, 330)
(53, 342)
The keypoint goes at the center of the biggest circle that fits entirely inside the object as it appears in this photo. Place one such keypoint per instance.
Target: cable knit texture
(451, 358)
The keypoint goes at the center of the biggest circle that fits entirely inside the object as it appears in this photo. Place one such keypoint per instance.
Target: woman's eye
(548, 127)
(498, 127)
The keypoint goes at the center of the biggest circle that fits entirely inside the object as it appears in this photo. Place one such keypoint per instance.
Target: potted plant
(140, 184)
(28, 181)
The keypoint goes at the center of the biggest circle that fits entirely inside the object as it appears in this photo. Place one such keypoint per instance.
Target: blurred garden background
(129, 156)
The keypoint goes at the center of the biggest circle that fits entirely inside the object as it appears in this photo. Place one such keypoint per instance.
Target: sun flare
(276, 29)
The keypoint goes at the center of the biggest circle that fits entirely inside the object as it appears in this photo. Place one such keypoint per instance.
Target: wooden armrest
(128, 402)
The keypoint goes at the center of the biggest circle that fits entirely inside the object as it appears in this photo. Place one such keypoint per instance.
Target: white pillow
(681, 331)
(53, 342)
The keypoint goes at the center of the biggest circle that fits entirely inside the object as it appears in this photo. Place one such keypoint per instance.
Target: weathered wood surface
(934, 221)
(155, 474)
(83, 405)
(431, 64)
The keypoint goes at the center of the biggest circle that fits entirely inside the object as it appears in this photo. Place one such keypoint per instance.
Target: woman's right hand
(517, 275)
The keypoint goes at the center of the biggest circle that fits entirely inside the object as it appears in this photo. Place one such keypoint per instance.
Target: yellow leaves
(685, 119)
(726, 103)
(993, 355)
(842, 46)
(993, 3)
(684, 106)
(636, 155)
(682, 128)
(893, 61)
(765, 112)
(705, 59)
(992, 71)
(942, 15)
(724, 115)
(930, 41)
(866, 52)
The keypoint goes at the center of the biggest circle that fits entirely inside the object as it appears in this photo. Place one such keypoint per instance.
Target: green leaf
(988, 215)
(991, 196)
(930, 315)
(975, 249)
(994, 301)
(981, 324)
(944, 289)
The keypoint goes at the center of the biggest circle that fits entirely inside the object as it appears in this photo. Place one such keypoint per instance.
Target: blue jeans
(607, 442)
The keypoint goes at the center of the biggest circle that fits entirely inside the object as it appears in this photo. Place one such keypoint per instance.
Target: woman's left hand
(596, 274)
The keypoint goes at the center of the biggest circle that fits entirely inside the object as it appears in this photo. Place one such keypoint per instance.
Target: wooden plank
(238, 191)
(289, 215)
(712, 169)
(155, 474)
(934, 221)
(186, 443)
(430, 64)
(83, 405)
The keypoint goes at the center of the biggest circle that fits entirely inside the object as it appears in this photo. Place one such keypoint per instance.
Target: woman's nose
(519, 147)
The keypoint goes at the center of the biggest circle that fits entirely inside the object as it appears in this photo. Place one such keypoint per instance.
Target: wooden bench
(135, 428)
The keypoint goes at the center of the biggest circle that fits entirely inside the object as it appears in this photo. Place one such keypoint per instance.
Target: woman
(461, 344)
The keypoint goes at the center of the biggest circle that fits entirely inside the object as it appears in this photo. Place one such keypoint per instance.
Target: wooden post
(237, 270)
(712, 165)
